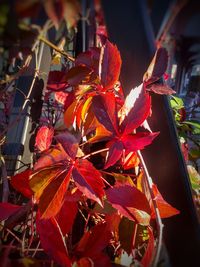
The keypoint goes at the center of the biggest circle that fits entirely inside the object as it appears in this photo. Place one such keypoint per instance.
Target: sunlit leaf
(114, 154)
(161, 89)
(69, 143)
(44, 138)
(135, 109)
(39, 180)
(194, 177)
(20, 182)
(130, 202)
(110, 65)
(165, 209)
(131, 160)
(158, 66)
(88, 180)
(138, 141)
(105, 111)
(52, 241)
(51, 157)
(51, 199)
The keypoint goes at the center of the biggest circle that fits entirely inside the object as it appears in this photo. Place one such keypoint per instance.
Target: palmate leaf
(133, 113)
(52, 240)
(130, 202)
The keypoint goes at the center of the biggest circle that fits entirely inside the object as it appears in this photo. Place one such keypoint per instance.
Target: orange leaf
(39, 180)
(44, 138)
(165, 209)
(52, 198)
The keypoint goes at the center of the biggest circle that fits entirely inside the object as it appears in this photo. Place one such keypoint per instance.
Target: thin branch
(157, 213)
(95, 152)
(47, 42)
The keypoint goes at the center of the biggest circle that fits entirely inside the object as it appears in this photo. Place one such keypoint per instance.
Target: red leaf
(51, 157)
(54, 11)
(61, 97)
(88, 180)
(66, 216)
(135, 109)
(130, 202)
(110, 65)
(54, 81)
(8, 209)
(90, 59)
(51, 199)
(52, 241)
(44, 138)
(157, 67)
(149, 253)
(161, 89)
(165, 209)
(20, 182)
(93, 243)
(105, 111)
(131, 160)
(138, 141)
(69, 143)
(114, 154)
(77, 75)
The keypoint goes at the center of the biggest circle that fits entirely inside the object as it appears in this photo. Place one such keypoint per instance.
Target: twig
(157, 213)
(47, 42)
(95, 152)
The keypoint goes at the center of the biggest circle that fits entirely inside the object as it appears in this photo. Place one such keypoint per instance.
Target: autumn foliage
(88, 201)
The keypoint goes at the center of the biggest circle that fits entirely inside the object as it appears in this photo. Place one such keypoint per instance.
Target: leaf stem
(95, 152)
(158, 218)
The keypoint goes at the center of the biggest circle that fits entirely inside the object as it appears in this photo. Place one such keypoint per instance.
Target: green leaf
(194, 177)
(194, 124)
(176, 102)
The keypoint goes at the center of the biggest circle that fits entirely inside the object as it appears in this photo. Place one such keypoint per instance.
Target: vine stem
(158, 218)
(95, 152)
(62, 52)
